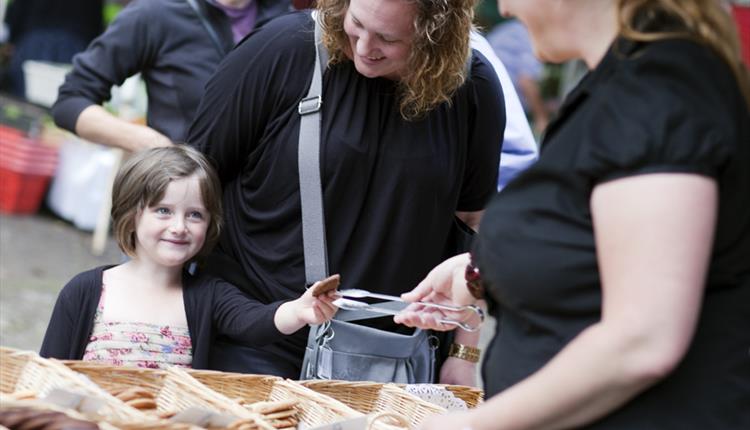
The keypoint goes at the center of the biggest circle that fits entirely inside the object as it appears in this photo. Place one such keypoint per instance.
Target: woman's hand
(445, 284)
(292, 316)
(144, 137)
(98, 125)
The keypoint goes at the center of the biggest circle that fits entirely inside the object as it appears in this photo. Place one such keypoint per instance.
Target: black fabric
(390, 187)
(670, 106)
(46, 30)
(272, 359)
(165, 41)
(460, 238)
(230, 356)
(212, 307)
(79, 17)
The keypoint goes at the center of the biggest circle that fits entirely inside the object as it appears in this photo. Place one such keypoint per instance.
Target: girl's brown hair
(706, 21)
(440, 49)
(142, 181)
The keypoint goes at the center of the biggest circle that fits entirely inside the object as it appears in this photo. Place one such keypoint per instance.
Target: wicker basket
(25, 371)
(7, 403)
(10, 368)
(113, 379)
(174, 389)
(10, 403)
(374, 397)
(314, 409)
(472, 396)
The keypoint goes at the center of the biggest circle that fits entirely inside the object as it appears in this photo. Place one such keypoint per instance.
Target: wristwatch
(464, 352)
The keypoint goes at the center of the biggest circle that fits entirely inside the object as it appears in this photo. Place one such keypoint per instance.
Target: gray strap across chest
(311, 191)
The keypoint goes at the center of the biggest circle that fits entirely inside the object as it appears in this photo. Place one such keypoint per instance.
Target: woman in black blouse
(618, 266)
(407, 143)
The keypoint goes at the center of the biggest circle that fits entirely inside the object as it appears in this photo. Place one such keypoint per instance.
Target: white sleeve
(519, 147)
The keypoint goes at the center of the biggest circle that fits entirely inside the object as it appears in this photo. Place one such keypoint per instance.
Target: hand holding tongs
(346, 303)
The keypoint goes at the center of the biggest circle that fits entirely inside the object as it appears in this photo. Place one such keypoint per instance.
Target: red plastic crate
(23, 154)
(26, 167)
(21, 193)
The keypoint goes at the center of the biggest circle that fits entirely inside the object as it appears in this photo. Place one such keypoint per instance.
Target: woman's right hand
(445, 284)
(98, 125)
(144, 137)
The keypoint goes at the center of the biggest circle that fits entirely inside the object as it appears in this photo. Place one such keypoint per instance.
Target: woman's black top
(390, 186)
(666, 107)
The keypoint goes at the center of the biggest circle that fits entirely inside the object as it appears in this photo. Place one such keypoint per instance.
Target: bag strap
(209, 28)
(311, 191)
(310, 185)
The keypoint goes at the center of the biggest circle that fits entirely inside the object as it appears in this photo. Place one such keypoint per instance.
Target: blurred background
(54, 187)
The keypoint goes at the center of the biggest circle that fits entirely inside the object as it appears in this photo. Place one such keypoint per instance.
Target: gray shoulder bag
(340, 349)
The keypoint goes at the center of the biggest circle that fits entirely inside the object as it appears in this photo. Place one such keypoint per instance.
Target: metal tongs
(345, 302)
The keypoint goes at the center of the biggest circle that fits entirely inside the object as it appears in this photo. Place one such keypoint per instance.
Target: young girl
(149, 311)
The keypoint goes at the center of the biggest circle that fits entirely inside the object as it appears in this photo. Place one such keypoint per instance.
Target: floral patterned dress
(137, 344)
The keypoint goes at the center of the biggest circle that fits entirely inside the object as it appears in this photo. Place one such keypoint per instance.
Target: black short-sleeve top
(390, 186)
(667, 106)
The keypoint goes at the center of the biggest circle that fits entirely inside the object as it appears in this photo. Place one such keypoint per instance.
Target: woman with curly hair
(409, 133)
(618, 265)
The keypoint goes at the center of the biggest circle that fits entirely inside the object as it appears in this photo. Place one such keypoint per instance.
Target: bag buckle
(309, 105)
(325, 334)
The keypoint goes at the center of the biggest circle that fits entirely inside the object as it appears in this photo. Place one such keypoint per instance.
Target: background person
(48, 30)
(617, 264)
(149, 311)
(511, 42)
(167, 42)
(406, 145)
(519, 148)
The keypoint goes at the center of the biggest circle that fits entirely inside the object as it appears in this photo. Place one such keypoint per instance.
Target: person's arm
(293, 315)
(458, 371)
(128, 46)
(247, 320)
(653, 238)
(472, 219)
(59, 337)
(487, 125)
(444, 284)
(97, 125)
(520, 149)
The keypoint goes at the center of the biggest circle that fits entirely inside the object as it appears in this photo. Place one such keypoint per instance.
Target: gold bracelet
(464, 352)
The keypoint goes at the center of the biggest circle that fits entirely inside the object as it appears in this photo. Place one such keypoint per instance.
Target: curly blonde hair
(705, 21)
(439, 51)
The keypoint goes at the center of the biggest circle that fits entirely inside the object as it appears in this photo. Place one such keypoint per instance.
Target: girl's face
(380, 36)
(547, 22)
(173, 231)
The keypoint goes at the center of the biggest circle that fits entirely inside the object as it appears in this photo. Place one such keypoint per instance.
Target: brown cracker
(330, 283)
